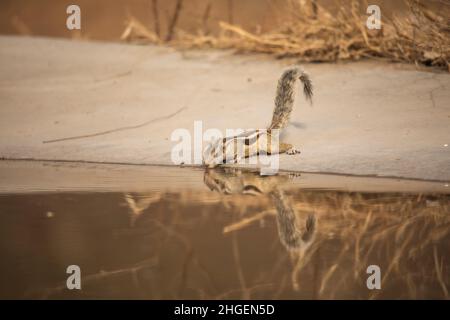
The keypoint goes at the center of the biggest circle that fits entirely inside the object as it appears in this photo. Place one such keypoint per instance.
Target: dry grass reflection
(251, 237)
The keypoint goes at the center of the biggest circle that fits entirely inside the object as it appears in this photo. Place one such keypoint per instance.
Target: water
(180, 233)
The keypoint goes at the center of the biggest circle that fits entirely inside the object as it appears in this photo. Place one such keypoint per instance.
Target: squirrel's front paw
(293, 150)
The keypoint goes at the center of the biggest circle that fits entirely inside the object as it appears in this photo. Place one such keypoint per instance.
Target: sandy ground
(367, 118)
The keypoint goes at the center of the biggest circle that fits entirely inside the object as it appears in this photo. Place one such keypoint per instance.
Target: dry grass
(313, 34)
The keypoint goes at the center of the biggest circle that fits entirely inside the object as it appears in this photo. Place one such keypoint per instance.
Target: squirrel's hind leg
(288, 148)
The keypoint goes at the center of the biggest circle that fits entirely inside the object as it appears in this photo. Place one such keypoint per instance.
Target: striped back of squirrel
(233, 149)
(253, 142)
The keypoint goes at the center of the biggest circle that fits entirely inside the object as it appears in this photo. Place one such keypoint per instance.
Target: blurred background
(311, 30)
(106, 20)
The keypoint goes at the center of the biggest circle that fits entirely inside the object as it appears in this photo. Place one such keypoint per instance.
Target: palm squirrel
(255, 142)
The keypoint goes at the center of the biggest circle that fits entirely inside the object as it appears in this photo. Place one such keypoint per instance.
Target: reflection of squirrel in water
(255, 142)
(291, 236)
(230, 181)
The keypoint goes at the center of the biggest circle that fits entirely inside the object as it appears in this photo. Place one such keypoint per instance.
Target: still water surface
(234, 235)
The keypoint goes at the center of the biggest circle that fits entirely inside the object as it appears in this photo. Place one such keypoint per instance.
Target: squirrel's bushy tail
(292, 236)
(285, 96)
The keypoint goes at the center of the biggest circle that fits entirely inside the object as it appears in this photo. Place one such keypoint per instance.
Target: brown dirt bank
(124, 102)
